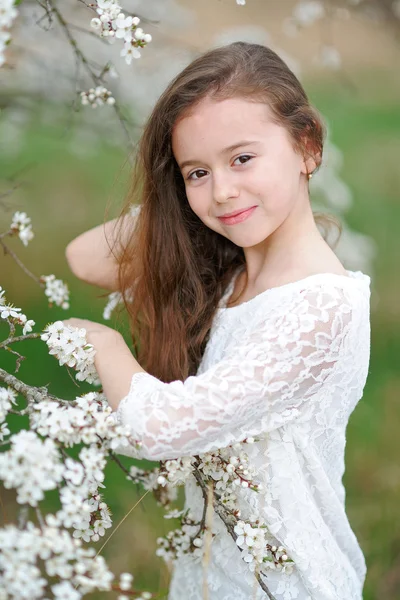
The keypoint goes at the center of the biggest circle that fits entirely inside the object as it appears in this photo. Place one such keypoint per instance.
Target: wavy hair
(173, 270)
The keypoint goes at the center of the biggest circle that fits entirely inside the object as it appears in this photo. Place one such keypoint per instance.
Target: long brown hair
(174, 270)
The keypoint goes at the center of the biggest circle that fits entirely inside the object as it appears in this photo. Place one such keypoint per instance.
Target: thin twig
(19, 359)
(122, 520)
(8, 250)
(20, 338)
(79, 54)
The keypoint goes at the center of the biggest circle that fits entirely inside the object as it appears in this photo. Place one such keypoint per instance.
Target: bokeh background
(70, 170)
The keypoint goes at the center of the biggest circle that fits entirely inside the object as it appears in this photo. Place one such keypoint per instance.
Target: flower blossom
(113, 24)
(69, 345)
(23, 551)
(31, 466)
(8, 13)
(97, 96)
(253, 539)
(21, 224)
(7, 399)
(12, 314)
(56, 290)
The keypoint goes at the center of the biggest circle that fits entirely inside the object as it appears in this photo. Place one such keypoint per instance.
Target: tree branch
(227, 519)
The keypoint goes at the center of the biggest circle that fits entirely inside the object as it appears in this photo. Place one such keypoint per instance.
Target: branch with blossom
(37, 460)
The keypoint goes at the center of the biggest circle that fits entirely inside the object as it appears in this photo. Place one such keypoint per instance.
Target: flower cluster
(125, 584)
(8, 13)
(113, 24)
(87, 420)
(22, 225)
(31, 466)
(230, 472)
(97, 96)
(188, 538)
(13, 315)
(7, 399)
(253, 539)
(175, 471)
(163, 493)
(56, 290)
(69, 345)
(79, 570)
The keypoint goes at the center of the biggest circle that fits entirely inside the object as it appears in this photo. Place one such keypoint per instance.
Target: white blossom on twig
(70, 347)
(113, 24)
(7, 399)
(12, 314)
(8, 12)
(21, 224)
(56, 290)
(97, 96)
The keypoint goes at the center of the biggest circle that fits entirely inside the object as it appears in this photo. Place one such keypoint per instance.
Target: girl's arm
(274, 376)
(90, 258)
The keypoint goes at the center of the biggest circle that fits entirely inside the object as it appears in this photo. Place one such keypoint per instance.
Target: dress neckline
(357, 276)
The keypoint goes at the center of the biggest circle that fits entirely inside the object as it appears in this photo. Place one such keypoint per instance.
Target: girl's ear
(309, 164)
(311, 156)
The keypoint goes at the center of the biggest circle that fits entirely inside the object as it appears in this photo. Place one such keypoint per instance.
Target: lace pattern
(288, 366)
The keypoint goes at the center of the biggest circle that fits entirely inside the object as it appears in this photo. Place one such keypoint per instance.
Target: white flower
(123, 26)
(125, 581)
(28, 327)
(95, 23)
(65, 591)
(70, 346)
(21, 224)
(241, 2)
(97, 97)
(31, 466)
(74, 471)
(130, 52)
(56, 290)
(4, 431)
(7, 398)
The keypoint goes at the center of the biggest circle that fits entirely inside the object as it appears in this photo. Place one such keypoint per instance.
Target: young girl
(244, 322)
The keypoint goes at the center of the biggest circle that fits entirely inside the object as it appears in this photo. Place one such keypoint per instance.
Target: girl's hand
(113, 361)
(100, 336)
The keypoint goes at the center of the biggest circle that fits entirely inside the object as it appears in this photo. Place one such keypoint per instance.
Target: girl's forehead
(235, 108)
(211, 118)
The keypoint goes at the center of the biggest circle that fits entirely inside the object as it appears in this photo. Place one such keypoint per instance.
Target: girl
(248, 323)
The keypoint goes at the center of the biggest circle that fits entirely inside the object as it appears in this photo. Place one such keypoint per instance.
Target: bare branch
(20, 338)
(97, 79)
(8, 250)
(37, 394)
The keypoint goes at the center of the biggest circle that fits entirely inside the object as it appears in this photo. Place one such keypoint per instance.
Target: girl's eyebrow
(194, 161)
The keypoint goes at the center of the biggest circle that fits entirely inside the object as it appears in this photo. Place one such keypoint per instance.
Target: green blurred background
(65, 194)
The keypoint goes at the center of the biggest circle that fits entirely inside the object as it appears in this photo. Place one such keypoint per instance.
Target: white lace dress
(288, 366)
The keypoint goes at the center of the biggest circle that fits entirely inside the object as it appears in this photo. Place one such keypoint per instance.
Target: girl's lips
(238, 218)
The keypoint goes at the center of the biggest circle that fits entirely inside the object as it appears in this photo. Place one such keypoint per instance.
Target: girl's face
(232, 157)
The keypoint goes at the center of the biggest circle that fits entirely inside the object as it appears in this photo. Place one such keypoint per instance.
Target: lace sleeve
(270, 379)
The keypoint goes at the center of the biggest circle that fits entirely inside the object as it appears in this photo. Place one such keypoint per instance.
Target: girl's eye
(196, 178)
(243, 156)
